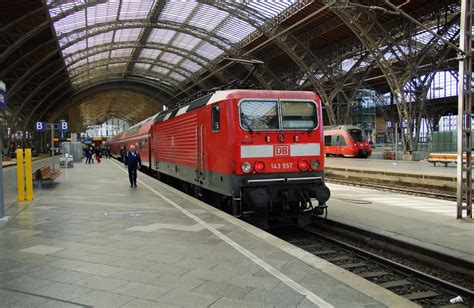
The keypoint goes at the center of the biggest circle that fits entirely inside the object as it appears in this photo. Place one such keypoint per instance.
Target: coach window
(327, 140)
(216, 118)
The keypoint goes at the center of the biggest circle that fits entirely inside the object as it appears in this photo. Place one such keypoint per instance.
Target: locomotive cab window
(277, 115)
(259, 115)
(340, 140)
(298, 115)
(357, 135)
(216, 118)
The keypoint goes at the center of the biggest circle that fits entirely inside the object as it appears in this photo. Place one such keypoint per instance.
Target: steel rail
(396, 266)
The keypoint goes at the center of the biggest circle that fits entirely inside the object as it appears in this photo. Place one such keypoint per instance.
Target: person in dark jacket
(133, 161)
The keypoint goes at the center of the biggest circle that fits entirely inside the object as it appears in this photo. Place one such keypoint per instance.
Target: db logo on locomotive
(281, 150)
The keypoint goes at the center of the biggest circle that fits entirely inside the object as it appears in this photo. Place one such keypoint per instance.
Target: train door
(341, 143)
(200, 171)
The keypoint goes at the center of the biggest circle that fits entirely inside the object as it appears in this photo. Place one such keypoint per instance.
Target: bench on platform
(45, 176)
(444, 158)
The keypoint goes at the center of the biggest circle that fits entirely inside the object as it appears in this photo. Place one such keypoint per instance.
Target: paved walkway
(91, 240)
(424, 222)
(410, 167)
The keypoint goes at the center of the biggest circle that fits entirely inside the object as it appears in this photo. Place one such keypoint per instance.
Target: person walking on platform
(133, 161)
(98, 155)
(88, 156)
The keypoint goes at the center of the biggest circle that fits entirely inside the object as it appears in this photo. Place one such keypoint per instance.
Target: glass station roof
(163, 41)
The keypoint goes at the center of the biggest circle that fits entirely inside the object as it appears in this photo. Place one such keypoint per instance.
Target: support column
(464, 125)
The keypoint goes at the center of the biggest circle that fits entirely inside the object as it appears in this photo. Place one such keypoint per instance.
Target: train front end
(281, 163)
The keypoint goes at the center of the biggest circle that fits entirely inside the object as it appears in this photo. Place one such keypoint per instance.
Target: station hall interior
(293, 153)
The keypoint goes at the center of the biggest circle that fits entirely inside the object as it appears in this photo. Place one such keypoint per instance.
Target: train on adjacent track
(346, 141)
(258, 153)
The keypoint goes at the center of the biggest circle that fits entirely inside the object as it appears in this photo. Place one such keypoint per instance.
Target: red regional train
(347, 141)
(258, 152)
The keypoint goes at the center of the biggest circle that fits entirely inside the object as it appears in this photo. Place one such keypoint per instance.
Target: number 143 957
(281, 165)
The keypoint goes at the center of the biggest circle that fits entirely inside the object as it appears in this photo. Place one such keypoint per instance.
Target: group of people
(92, 152)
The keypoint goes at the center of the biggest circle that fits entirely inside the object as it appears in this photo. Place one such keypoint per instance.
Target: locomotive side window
(216, 118)
(327, 140)
(259, 115)
(299, 115)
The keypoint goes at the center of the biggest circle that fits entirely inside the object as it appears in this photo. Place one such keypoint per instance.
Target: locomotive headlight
(303, 165)
(259, 166)
(314, 164)
(246, 167)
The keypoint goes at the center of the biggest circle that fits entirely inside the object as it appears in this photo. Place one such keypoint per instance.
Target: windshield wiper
(244, 122)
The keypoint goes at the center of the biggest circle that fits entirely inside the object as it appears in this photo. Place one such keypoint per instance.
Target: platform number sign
(63, 126)
(40, 126)
(389, 124)
(404, 124)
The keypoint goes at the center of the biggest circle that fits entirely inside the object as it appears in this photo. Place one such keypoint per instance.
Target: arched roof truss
(168, 41)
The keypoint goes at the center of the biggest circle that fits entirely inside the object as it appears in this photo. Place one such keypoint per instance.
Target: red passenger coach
(347, 141)
(137, 135)
(258, 152)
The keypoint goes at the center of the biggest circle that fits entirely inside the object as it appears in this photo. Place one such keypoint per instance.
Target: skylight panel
(56, 10)
(133, 9)
(100, 39)
(123, 52)
(170, 58)
(236, 30)
(269, 9)
(150, 53)
(142, 66)
(208, 17)
(118, 67)
(177, 77)
(99, 56)
(103, 12)
(162, 36)
(73, 48)
(186, 41)
(191, 66)
(160, 70)
(70, 23)
(177, 11)
(77, 64)
(127, 35)
(209, 51)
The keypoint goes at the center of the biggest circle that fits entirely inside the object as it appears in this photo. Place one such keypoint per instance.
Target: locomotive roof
(217, 96)
(341, 127)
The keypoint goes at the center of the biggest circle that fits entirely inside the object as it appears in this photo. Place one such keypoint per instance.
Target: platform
(91, 240)
(422, 222)
(421, 167)
(410, 174)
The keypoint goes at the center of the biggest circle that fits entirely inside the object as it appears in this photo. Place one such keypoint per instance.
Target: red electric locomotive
(347, 141)
(259, 153)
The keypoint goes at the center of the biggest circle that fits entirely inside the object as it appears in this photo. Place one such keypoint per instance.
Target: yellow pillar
(20, 175)
(28, 175)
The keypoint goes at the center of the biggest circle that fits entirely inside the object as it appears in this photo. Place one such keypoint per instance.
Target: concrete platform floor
(91, 240)
(423, 222)
(409, 167)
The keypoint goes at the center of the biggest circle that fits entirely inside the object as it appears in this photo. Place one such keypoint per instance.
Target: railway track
(415, 285)
(411, 191)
